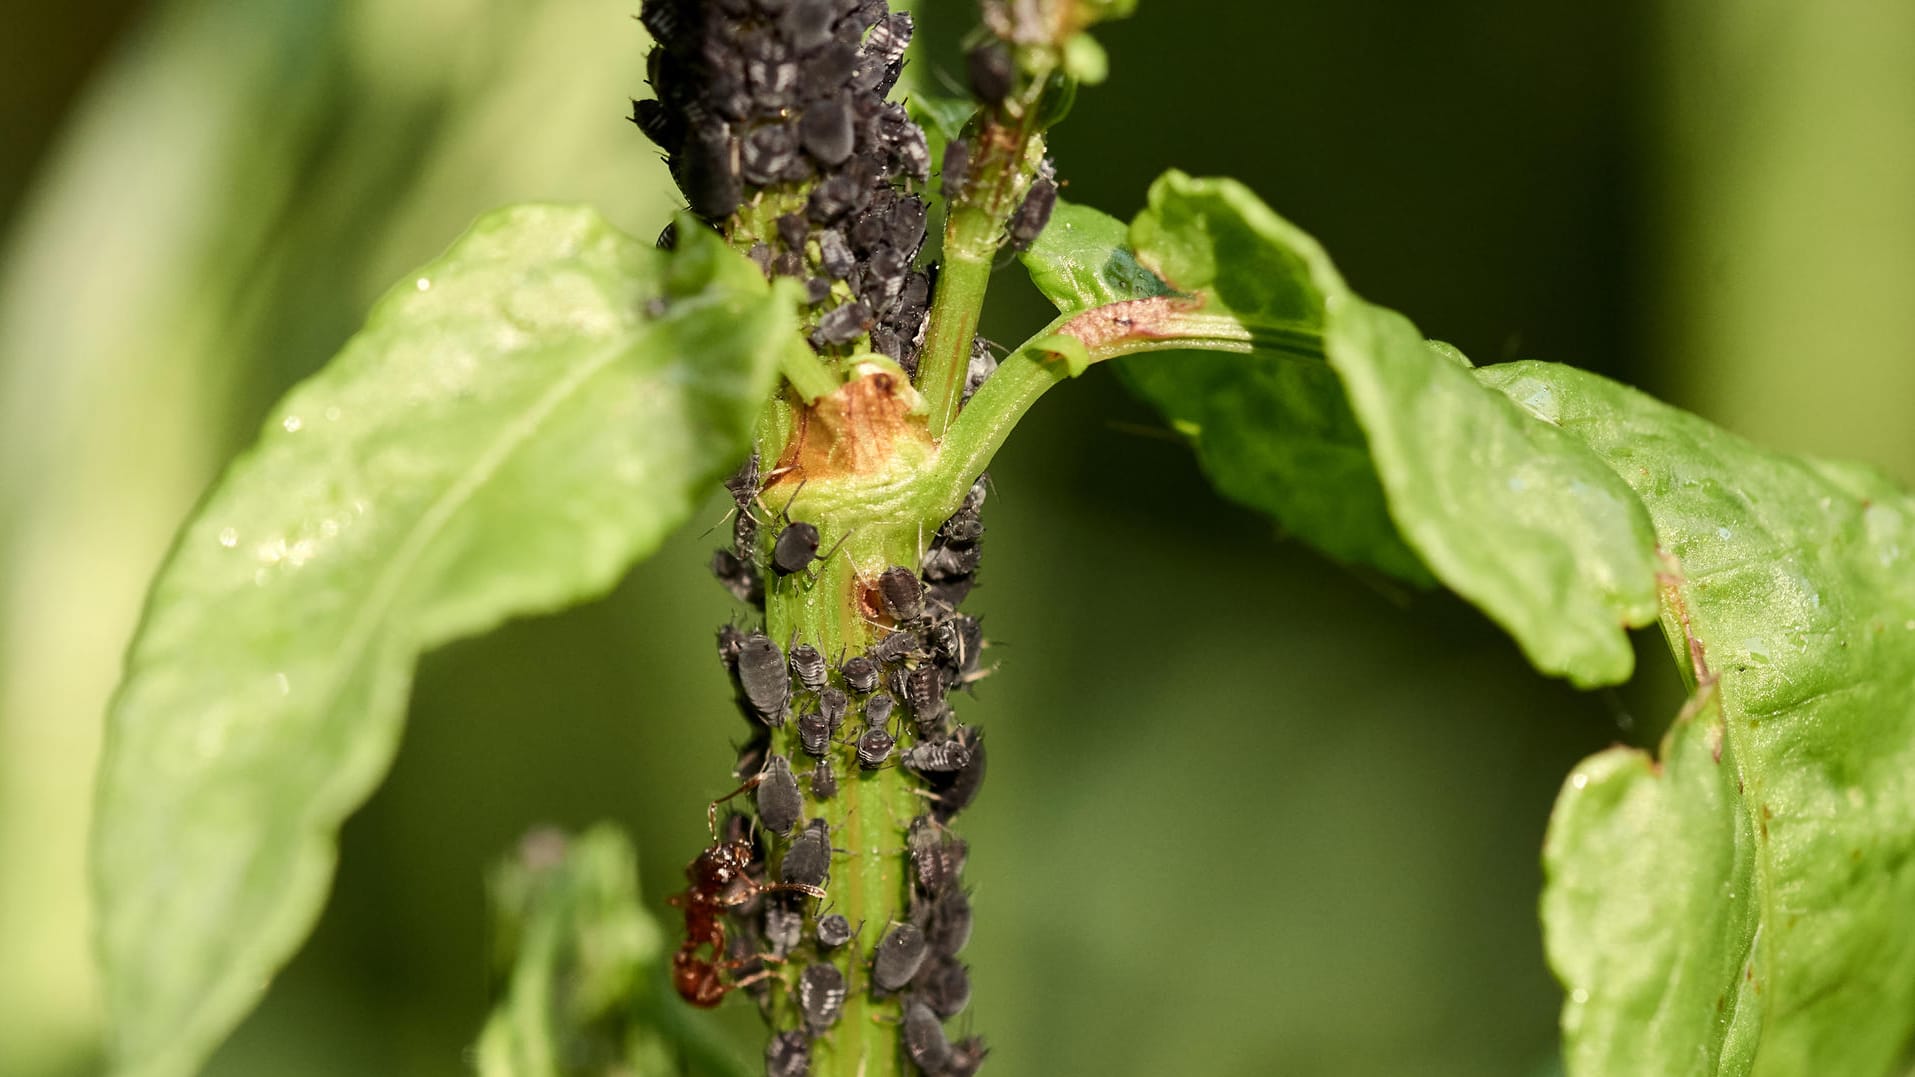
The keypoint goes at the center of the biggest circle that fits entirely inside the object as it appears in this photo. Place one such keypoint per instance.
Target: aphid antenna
(729, 513)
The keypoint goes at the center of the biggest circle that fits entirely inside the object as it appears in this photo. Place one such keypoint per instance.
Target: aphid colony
(787, 97)
(756, 910)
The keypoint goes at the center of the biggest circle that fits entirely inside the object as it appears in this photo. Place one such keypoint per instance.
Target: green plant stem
(1005, 153)
(1029, 372)
(964, 273)
(873, 808)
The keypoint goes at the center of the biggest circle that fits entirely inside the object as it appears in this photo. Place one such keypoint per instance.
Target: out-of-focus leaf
(1758, 911)
(506, 436)
(177, 267)
(583, 968)
(1357, 434)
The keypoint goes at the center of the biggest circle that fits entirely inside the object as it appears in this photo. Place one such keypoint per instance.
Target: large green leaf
(507, 435)
(1761, 907)
(1746, 902)
(1358, 435)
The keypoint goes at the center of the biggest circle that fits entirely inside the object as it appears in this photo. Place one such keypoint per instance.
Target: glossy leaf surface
(512, 429)
(1759, 910)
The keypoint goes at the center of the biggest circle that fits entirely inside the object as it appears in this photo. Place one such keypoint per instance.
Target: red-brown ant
(721, 880)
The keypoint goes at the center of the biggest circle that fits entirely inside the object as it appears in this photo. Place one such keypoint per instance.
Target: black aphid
(898, 680)
(809, 666)
(705, 171)
(824, 780)
(860, 673)
(902, 593)
(760, 254)
(834, 705)
(827, 69)
(913, 153)
(789, 1055)
(970, 633)
(730, 642)
(808, 861)
(784, 925)
(943, 984)
(807, 23)
(937, 857)
(946, 645)
(877, 710)
(794, 548)
(953, 793)
(967, 1056)
(751, 758)
(982, 365)
(898, 957)
(924, 690)
(826, 130)
(738, 577)
(927, 757)
(955, 170)
(821, 995)
(792, 229)
(833, 930)
(766, 153)
(896, 646)
(947, 921)
(949, 594)
(974, 497)
(1035, 212)
(884, 54)
(874, 747)
(842, 325)
(989, 66)
(964, 528)
(779, 802)
(814, 733)
(834, 254)
(834, 197)
(924, 1038)
(761, 673)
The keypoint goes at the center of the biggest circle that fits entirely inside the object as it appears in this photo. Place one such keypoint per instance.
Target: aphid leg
(811, 574)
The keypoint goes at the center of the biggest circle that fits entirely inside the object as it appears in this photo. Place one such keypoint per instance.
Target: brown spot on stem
(1154, 318)
(854, 431)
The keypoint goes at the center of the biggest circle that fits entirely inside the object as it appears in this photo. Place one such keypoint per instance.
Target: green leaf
(1355, 433)
(583, 968)
(511, 430)
(1757, 910)
(1743, 905)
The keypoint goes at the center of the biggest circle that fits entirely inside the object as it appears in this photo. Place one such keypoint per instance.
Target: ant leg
(711, 810)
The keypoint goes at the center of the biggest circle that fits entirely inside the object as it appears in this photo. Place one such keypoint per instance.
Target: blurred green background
(1287, 824)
